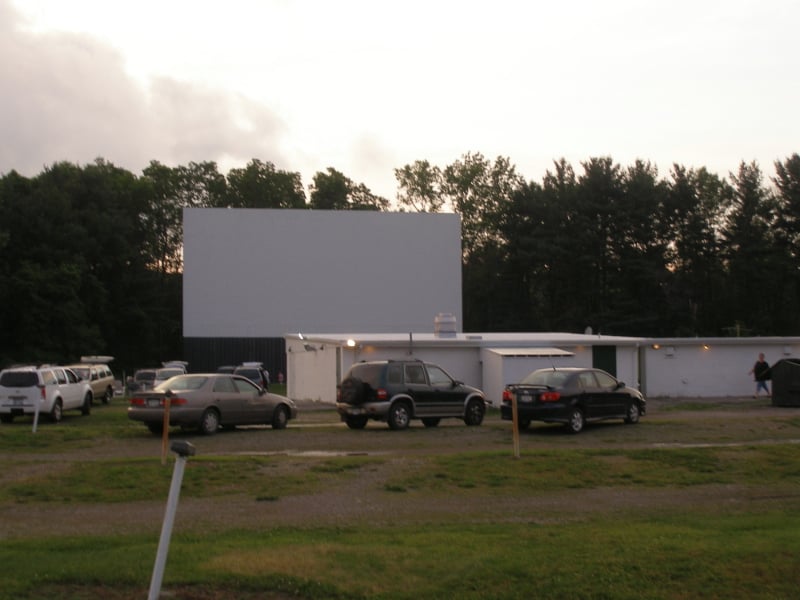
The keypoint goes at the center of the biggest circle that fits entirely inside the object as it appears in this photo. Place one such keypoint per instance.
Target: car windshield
(167, 373)
(252, 374)
(547, 377)
(182, 383)
(18, 379)
(145, 376)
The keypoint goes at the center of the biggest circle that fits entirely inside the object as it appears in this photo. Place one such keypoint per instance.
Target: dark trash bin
(786, 382)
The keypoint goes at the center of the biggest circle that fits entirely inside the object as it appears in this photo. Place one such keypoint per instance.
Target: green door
(605, 357)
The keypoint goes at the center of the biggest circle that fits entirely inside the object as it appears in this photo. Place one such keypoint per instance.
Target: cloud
(68, 97)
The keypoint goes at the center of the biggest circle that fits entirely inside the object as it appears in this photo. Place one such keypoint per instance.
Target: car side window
(61, 377)
(245, 386)
(394, 374)
(71, 377)
(438, 377)
(415, 374)
(606, 381)
(586, 380)
(48, 377)
(224, 384)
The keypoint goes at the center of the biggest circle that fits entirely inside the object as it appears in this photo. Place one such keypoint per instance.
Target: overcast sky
(367, 86)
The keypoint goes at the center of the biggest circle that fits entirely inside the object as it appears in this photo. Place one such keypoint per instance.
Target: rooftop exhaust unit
(444, 325)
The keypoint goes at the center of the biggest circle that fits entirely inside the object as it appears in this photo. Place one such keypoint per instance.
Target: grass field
(618, 512)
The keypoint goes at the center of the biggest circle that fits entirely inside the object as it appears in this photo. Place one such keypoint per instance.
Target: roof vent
(444, 325)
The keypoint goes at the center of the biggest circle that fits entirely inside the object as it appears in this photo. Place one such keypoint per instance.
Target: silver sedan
(208, 401)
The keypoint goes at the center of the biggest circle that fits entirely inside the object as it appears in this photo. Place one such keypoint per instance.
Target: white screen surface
(268, 272)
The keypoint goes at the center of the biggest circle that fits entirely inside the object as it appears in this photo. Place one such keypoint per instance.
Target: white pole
(183, 449)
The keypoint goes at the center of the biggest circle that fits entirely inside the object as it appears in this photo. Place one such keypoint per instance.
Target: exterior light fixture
(351, 343)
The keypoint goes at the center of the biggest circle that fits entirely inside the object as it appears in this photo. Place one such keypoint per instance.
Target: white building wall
(499, 371)
(708, 367)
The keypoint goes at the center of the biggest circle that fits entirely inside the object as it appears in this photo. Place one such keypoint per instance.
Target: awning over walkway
(530, 352)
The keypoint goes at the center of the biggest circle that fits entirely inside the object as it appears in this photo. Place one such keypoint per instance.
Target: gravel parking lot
(317, 435)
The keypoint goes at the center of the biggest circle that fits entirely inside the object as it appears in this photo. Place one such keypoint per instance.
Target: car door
(614, 397)
(230, 401)
(254, 403)
(71, 388)
(447, 399)
(416, 384)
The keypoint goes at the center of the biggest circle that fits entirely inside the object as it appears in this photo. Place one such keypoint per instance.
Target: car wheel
(209, 422)
(399, 415)
(431, 421)
(87, 405)
(576, 421)
(280, 417)
(57, 412)
(155, 428)
(107, 396)
(356, 422)
(633, 414)
(6, 418)
(474, 413)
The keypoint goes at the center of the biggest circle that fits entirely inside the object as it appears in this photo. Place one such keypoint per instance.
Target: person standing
(760, 373)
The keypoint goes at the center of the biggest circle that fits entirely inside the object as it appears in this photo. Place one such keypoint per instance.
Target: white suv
(54, 389)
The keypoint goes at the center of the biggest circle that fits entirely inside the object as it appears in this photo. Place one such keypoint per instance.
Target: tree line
(91, 256)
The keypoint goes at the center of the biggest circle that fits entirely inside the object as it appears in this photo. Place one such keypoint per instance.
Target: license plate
(525, 398)
(153, 402)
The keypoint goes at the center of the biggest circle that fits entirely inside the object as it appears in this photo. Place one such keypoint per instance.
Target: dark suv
(397, 391)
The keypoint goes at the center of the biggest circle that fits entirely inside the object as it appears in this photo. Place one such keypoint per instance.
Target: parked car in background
(208, 401)
(170, 369)
(142, 380)
(255, 372)
(53, 389)
(226, 369)
(100, 379)
(396, 391)
(572, 396)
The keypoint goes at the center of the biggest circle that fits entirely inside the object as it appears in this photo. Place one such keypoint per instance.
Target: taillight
(507, 396)
(136, 401)
(43, 392)
(176, 401)
(550, 397)
(381, 394)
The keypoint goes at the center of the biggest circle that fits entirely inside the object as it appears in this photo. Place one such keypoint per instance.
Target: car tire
(576, 421)
(107, 395)
(86, 407)
(155, 428)
(431, 421)
(399, 416)
(6, 418)
(209, 422)
(356, 422)
(473, 416)
(280, 417)
(57, 412)
(633, 414)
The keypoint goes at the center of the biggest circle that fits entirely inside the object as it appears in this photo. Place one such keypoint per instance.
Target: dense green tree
(260, 185)
(332, 190)
(420, 187)
(753, 261)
